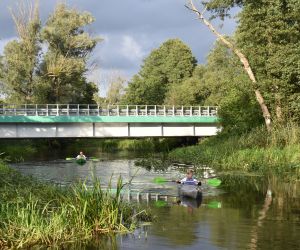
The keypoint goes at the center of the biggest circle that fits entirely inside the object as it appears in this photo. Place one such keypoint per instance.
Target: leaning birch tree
(259, 97)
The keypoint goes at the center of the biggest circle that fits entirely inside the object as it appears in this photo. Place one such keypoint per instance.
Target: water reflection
(251, 212)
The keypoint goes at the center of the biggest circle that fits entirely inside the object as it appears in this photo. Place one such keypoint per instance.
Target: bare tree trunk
(243, 59)
(279, 114)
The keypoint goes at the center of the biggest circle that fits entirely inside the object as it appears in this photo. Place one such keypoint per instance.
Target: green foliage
(226, 85)
(268, 34)
(168, 65)
(20, 60)
(115, 90)
(277, 153)
(32, 213)
(58, 76)
(64, 66)
(189, 91)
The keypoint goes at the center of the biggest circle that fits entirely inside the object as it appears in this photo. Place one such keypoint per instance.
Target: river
(226, 218)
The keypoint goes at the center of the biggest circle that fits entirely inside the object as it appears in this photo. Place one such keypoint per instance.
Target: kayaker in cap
(189, 179)
(81, 156)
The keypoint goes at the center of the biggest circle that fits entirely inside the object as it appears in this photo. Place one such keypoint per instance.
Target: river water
(237, 217)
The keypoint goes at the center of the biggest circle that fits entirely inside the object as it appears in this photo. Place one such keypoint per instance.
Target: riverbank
(34, 213)
(259, 151)
(38, 149)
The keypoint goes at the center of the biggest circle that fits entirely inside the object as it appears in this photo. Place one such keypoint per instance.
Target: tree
(21, 57)
(243, 59)
(225, 84)
(268, 33)
(115, 89)
(170, 64)
(59, 74)
(65, 63)
(188, 92)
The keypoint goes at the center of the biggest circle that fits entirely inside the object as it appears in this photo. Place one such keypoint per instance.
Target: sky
(130, 29)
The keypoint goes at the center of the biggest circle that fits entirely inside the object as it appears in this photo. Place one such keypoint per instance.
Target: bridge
(111, 121)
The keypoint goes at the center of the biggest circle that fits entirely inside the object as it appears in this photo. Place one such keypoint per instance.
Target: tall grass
(32, 213)
(258, 151)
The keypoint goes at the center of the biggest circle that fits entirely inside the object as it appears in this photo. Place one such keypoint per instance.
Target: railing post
(127, 110)
(57, 113)
(68, 109)
(182, 110)
(36, 110)
(164, 110)
(47, 109)
(77, 109)
(25, 109)
(146, 110)
(173, 110)
(208, 111)
(118, 110)
(136, 110)
(155, 111)
(108, 113)
(191, 111)
(98, 110)
(88, 109)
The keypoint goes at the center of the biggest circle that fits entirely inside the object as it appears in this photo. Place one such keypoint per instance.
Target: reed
(277, 152)
(33, 213)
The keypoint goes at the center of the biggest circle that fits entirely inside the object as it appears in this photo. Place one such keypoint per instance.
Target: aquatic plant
(33, 213)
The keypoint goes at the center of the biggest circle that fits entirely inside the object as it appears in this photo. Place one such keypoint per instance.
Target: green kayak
(81, 161)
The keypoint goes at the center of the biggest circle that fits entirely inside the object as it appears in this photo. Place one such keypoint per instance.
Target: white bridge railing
(109, 110)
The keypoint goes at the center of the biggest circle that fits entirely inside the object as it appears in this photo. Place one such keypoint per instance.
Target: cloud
(130, 28)
(131, 49)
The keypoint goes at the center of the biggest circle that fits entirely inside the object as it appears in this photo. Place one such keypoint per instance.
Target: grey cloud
(145, 23)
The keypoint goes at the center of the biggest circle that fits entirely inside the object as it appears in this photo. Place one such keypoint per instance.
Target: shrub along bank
(276, 152)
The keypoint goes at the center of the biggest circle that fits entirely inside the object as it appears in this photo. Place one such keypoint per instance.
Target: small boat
(191, 191)
(81, 161)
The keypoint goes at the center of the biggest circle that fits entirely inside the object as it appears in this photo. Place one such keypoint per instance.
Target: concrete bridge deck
(77, 120)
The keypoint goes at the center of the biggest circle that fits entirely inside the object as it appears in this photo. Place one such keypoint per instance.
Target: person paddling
(189, 179)
(81, 156)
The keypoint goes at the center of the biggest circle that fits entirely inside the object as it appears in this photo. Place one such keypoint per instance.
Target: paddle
(210, 182)
(87, 158)
(211, 204)
(161, 180)
(214, 182)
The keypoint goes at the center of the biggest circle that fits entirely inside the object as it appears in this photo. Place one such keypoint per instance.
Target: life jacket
(190, 181)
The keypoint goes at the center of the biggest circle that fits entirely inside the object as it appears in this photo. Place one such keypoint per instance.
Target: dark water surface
(236, 218)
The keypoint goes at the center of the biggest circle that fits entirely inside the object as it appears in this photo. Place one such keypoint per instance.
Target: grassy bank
(277, 152)
(33, 213)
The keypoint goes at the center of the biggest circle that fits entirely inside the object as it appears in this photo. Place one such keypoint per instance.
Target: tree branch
(242, 57)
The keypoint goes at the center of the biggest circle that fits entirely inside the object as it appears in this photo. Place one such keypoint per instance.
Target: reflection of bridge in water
(94, 121)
